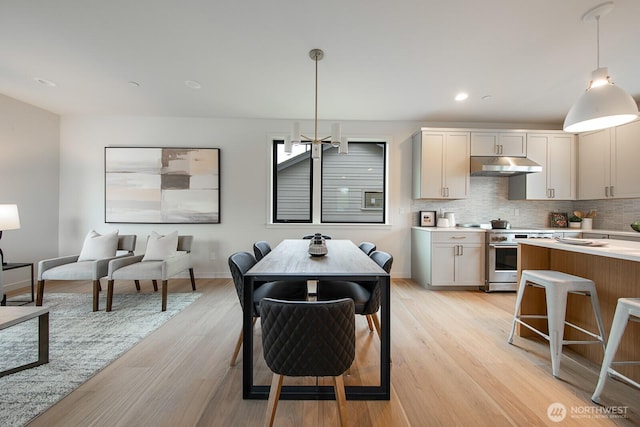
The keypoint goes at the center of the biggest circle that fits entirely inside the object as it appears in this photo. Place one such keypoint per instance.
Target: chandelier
(334, 139)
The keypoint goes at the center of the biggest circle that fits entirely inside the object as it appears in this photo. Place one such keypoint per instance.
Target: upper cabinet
(607, 166)
(556, 153)
(441, 164)
(508, 144)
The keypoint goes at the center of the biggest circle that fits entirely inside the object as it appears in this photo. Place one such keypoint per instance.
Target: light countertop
(620, 249)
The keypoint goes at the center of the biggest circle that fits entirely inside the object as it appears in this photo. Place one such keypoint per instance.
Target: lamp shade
(601, 107)
(9, 219)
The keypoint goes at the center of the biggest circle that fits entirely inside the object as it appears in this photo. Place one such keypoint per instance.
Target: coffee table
(11, 316)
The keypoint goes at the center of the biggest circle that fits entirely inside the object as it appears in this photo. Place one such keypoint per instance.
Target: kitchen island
(615, 269)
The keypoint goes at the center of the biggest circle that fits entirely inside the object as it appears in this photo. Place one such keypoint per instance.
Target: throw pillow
(161, 247)
(99, 246)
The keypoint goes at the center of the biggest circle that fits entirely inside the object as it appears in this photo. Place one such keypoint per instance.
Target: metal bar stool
(627, 309)
(557, 286)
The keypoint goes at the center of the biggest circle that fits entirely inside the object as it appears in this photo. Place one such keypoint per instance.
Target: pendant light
(316, 143)
(603, 104)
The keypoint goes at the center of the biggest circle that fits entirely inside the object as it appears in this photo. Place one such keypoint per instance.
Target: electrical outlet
(212, 256)
(516, 212)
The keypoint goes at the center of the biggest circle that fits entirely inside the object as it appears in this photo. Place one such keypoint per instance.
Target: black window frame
(274, 188)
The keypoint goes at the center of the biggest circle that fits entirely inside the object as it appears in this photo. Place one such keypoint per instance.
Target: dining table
(290, 260)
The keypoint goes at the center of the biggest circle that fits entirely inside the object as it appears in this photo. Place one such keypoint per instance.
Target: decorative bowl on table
(636, 226)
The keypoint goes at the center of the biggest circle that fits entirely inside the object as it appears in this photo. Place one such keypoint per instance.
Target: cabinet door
(561, 167)
(625, 172)
(484, 144)
(536, 186)
(593, 165)
(443, 259)
(457, 165)
(429, 165)
(513, 144)
(470, 266)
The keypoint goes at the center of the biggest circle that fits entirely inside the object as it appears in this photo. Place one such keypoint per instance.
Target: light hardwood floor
(451, 366)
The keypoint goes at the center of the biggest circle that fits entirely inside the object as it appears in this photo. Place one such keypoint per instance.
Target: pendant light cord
(315, 138)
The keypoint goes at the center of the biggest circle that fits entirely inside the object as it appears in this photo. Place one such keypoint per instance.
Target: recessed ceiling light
(486, 97)
(134, 84)
(192, 84)
(461, 96)
(45, 82)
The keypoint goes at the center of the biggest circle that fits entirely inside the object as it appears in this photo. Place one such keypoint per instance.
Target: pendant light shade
(603, 104)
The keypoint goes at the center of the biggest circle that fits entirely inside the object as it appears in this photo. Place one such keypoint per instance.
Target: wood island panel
(614, 278)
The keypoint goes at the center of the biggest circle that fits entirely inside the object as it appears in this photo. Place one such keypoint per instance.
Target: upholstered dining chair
(366, 295)
(261, 249)
(161, 261)
(91, 264)
(239, 264)
(367, 247)
(314, 339)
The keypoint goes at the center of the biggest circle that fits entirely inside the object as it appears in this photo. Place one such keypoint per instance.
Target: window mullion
(316, 191)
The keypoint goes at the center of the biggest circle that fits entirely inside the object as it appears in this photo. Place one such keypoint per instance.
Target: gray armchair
(134, 268)
(69, 268)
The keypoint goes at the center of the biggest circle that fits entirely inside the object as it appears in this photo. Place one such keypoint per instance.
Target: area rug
(81, 343)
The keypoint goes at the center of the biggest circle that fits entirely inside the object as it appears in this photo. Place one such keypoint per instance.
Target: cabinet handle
(611, 191)
(606, 191)
(553, 193)
(461, 250)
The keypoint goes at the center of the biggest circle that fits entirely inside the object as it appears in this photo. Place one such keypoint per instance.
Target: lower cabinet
(447, 259)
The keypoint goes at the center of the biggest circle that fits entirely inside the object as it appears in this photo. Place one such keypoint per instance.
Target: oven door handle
(494, 245)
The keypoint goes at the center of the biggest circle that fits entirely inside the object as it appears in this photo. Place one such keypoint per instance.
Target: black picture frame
(427, 219)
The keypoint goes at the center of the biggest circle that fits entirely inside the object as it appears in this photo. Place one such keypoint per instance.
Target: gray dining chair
(260, 249)
(239, 264)
(308, 339)
(367, 247)
(366, 295)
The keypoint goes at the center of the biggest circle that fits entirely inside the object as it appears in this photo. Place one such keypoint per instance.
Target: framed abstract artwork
(162, 185)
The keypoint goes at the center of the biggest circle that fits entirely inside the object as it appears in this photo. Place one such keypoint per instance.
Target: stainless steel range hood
(502, 166)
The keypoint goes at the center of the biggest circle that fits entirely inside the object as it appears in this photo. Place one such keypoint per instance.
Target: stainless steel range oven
(502, 257)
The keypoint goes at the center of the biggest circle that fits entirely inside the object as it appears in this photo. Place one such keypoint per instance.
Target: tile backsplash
(488, 200)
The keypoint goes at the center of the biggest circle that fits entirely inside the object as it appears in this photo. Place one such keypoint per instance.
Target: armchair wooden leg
(164, 295)
(193, 279)
(109, 294)
(40, 292)
(155, 285)
(341, 400)
(96, 295)
(137, 282)
(274, 396)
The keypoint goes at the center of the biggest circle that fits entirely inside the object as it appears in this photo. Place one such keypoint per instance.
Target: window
(352, 187)
(292, 183)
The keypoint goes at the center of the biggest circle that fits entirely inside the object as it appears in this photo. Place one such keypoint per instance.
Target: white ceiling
(384, 60)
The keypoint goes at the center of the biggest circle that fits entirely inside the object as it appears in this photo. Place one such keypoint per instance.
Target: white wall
(245, 161)
(29, 169)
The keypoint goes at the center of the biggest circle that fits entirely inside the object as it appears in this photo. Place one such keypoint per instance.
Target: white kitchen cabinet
(508, 144)
(556, 153)
(607, 166)
(448, 259)
(441, 164)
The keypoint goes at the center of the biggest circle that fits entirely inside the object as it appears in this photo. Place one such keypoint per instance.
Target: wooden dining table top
(291, 257)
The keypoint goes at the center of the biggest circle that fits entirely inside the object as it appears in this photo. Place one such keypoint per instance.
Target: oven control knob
(499, 239)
